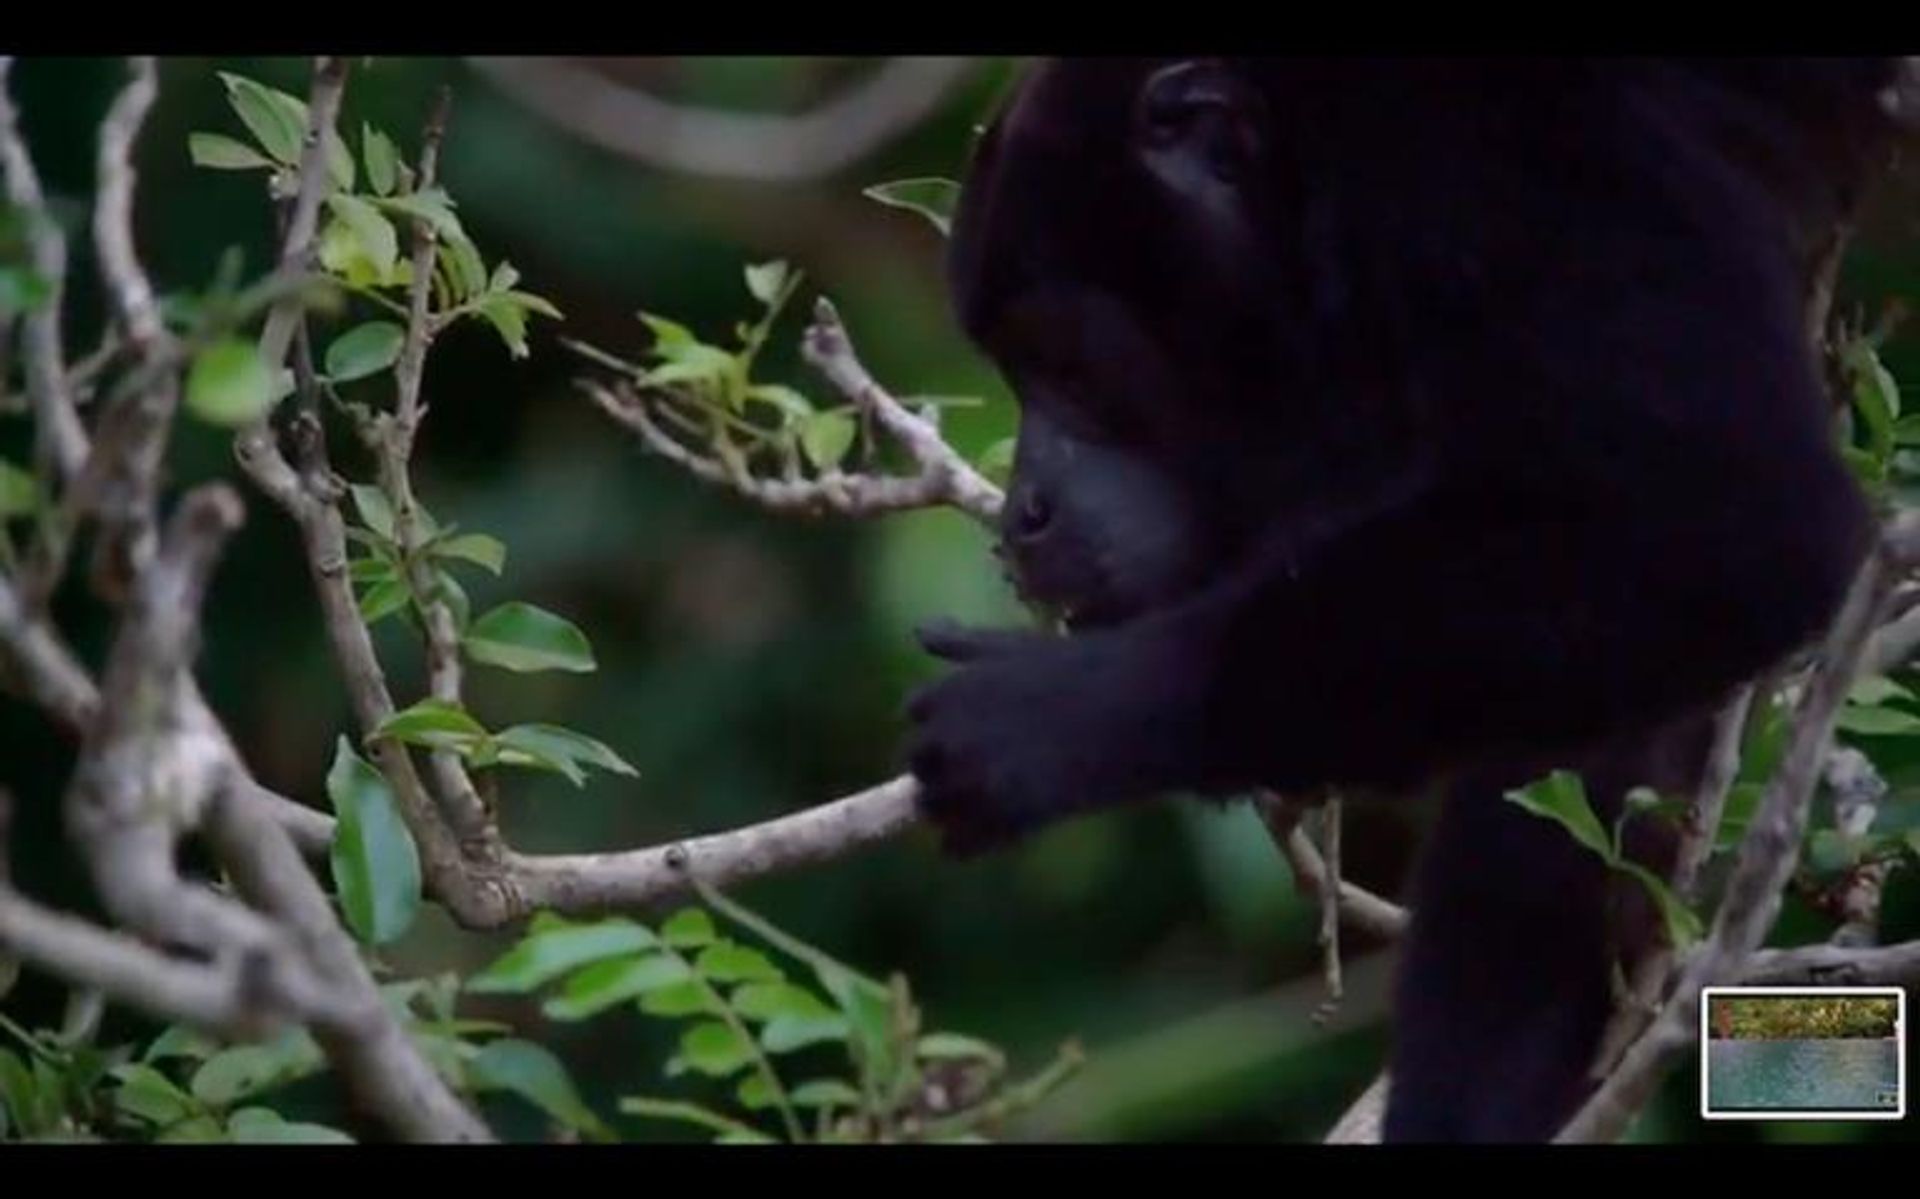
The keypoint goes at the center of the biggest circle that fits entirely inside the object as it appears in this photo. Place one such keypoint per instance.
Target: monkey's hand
(1033, 728)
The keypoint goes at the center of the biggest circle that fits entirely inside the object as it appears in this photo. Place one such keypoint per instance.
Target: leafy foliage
(752, 1022)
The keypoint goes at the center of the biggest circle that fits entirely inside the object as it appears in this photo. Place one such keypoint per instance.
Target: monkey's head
(1108, 255)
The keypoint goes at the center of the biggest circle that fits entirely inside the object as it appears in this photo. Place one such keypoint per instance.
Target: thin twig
(120, 269)
(1329, 937)
(1699, 829)
(828, 349)
(1358, 907)
(854, 496)
(392, 441)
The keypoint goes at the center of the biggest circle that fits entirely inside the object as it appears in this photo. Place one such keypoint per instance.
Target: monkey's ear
(1199, 125)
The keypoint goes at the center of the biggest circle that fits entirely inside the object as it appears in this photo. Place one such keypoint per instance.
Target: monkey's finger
(956, 642)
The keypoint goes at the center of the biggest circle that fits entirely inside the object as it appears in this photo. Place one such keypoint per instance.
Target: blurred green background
(750, 664)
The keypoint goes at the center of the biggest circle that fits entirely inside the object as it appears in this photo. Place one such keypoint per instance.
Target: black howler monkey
(1395, 425)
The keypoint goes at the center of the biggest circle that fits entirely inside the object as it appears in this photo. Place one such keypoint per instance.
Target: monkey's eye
(1195, 119)
(1204, 129)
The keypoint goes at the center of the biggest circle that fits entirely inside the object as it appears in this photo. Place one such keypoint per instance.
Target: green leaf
(146, 1094)
(434, 723)
(200, 1130)
(230, 384)
(756, 1094)
(488, 553)
(504, 276)
(364, 350)
(370, 570)
(436, 208)
(555, 947)
(376, 868)
(1830, 851)
(1877, 722)
(826, 437)
(466, 274)
(373, 232)
(788, 1032)
(1737, 813)
(22, 290)
(247, 1070)
(508, 319)
(496, 754)
(219, 152)
(531, 1072)
(688, 928)
(600, 986)
(729, 962)
(339, 251)
(766, 1000)
(180, 1041)
(562, 750)
(532, 303)
(696, 364)
(668, 336)
(19, 1094)
(1876, 399)
(688, 998)
(383, 599)
(375, 512)
(448, 1055)
(824, 1092)
(339, 162)
(381, 158)
(714, 1048)
(1874, 387)
(867, 1011)
(952, 1046)
(790, 403)
(276, 120)
(1876, 689)
(766, 280)
(263, 1126)
(1562, 797)
(932, 198)
(1683, 924)
(19, 493)
(523, 638)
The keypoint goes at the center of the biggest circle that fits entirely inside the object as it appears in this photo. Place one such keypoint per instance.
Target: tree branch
(578, 883)
(756, 148)
(60, 441)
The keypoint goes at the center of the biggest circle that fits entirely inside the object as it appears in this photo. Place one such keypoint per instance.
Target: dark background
(751, 664)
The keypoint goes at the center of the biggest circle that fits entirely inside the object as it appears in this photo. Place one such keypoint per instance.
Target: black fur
(1398, 425)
